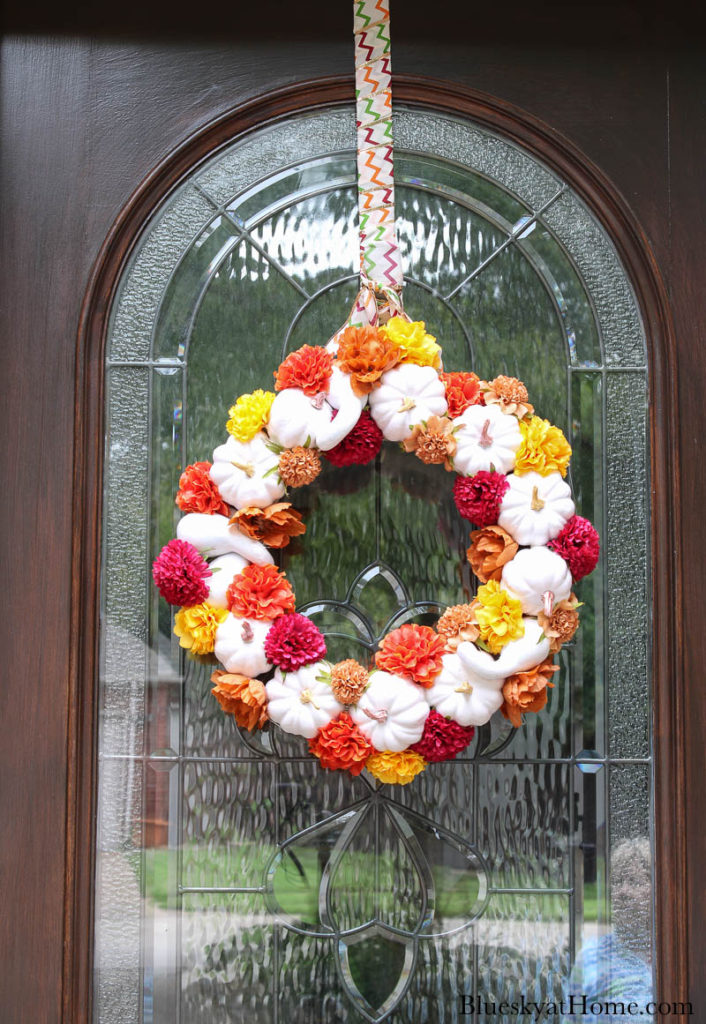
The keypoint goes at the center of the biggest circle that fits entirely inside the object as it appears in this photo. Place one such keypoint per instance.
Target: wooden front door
(90, 123)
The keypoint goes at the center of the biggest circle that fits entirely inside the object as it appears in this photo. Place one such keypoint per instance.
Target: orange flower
(561, 625)
(509, 393)
(348, 681)
(458, 625)
(274, 525)
(244, 698)
(433, 441)
(462, 390)
(365, 353)
(341, 744)
(527, 691)
(299, 466)
(309, 368)
(412, 651)
(491, 548)
(260, 592)
(198, 493)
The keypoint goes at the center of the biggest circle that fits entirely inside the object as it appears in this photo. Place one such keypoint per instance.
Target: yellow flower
(250, 414)
(196, 627)
(499, 617)
(544, 448)
(395, 767)
(413, 342)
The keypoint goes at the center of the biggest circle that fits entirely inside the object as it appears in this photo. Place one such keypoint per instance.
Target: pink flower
(293, 641)
(579, 546)
(361, 445)
(442, 738)
(478, 497)
(179, 572)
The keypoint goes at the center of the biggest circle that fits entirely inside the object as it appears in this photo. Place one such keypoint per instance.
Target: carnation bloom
(293, 641)
(509, 393)
(244, 698)
(499, 617)
(462, 390)
(396, 768)
(198, 493)
(412, 651)
(341, 744)
(309, 369)
(458, 625)
(527, 691)
(250, 414)
(299, 466)
(179, 571)
(274, 525)
(478, 497)
(415, 345)
(260, 592)
(348, 681)
(433, 441)
(560, 626)
(442, 738)
(361, 445)
(579, 546)
(491, 548)
(544, 448)
(365, 353)
(196, 627)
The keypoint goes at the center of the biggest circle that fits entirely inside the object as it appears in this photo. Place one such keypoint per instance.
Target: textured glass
(236, 880)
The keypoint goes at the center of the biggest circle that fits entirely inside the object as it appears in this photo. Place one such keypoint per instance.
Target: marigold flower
(245, 699)
(260, 592)
(274, 525)
(180, 571)
(458, 625)
(348, 681)
(412, 651)
(198, 493)
(442, 738)
(462, 390)
(560, 626)
(293, 641)
(395, 768)
(433, 441)
(491, 548)
(340, 744)
(358, 447)
(579, 545)
(309, 369)
(196, 627)
(527, 691)
(509, 393)
(411, 338)
(478, 497)
(499, 617)
(299, 466)
(250, 414)
(365, 353)
(544, 448)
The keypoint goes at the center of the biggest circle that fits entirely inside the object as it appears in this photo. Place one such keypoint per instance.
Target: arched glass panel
(236, 881)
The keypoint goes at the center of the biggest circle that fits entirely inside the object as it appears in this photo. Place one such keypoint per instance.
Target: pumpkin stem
(407, 405)
(306, 698)
(485, 440)
(247, 467)
(548, 598)
(464, 688)
(377, 716)
(536, 504)
(247, 634)
(318, 400)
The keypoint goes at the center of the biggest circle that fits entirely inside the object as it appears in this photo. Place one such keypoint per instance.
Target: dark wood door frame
(610, 209)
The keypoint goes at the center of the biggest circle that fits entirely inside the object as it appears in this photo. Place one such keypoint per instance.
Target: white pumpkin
(538, 578)
(391, 712)
(535, 508)
(518, 656)
(224, 569)
(300, 703)
(487, 439)
(295, 416)
(246, 472)
(240, 646)
(214, 535)
(407, 395)
(468, 697)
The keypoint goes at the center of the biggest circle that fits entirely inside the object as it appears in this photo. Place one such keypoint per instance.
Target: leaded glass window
(236, 881)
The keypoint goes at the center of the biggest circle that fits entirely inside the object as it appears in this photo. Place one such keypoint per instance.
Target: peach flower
(365, 354)
(245, 699)
(491, 548)
(274, 525)
(527, 691)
